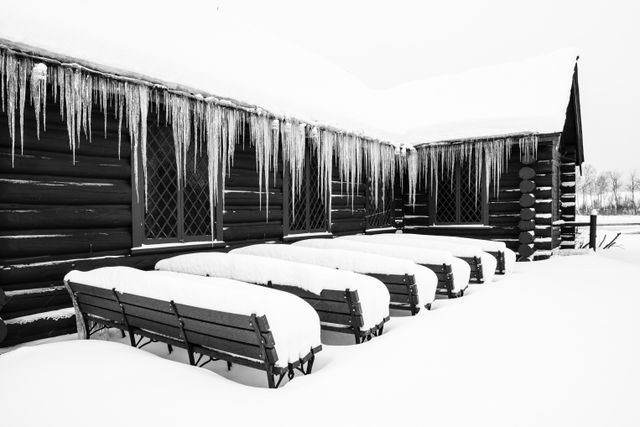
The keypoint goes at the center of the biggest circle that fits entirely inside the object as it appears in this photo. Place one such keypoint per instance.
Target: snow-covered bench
(453, 273)
(345, 301)
(483, 265)
(217, 319)
(506, 257)
(410, 285)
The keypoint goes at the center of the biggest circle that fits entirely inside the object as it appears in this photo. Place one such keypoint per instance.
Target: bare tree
(587, 186)
(601, 188)
(615, 184)
(633, 186)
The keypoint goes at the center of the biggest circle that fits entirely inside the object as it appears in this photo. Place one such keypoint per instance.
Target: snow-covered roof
(231, 59)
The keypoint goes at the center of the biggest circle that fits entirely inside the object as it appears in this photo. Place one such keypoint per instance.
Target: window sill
(302, 236)
(176, 247)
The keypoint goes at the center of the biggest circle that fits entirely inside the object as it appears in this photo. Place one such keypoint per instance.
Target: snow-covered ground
(553, 344)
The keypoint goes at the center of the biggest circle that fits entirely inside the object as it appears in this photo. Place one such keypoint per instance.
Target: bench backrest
(332, 306)
(246, 336)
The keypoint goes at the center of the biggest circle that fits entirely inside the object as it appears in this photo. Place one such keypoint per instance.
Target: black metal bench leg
(271, 380)
(310, 364)
(229, 366)
(170, 348)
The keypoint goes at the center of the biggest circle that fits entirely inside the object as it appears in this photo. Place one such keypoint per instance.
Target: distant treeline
(611, 192)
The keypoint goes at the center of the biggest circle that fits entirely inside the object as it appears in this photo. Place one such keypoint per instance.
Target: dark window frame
(306, 194)
(386, 204)
(483, 195)
(139, 237)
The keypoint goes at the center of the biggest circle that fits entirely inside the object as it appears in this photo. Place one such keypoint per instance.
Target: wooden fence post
(592, 229)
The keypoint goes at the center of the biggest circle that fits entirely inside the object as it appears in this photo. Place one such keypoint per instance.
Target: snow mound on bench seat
(485, 245)
(426, 280)
(461, 270)
(294, 324)
(373, 294)
(489, 262)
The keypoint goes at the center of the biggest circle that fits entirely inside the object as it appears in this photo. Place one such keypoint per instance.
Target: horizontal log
(250, 180)
(480, 232)
(344, 227)
(56, 140)
(59, 164)
(235, 216)
(526, 173)
(527, 186)
(527, 213)
(526, 237)
(24, 274)
(526, 250)
(236, 199)
(416, 220)
(33, 189)
(415, 210)
(23, 217)
(526, 225)
(26, 303)
(45, 327)
(344, 188)
(15, 244)
(342, 202)
(498, 207)
(504, 220)
(265, 231)
(348, 214)
(527, 200)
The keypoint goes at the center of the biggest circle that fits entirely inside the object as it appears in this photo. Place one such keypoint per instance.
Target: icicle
(22, 85)
(293, 156)
(489, 156)
(412, 175)
(323, 146)
(11, 77)
(213, 137)
(264, 136)
(39, 94)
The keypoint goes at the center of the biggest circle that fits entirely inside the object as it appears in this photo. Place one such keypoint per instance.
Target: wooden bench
(445, 280)
(501, 267)
(402, 290)
(215, 335)
(339, 311)
(477, 274)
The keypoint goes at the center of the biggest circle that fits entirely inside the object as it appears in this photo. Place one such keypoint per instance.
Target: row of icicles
(205, 122)
(489, 157)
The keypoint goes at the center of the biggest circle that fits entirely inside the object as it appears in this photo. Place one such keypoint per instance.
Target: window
(308, 214)
(170, 215)
(381, 215)
(458, 200)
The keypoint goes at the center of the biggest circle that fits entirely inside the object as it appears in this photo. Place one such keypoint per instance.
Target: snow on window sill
(301, 236)
(176, 247)
(380, 229)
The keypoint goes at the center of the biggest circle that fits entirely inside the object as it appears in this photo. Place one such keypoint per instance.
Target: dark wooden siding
(504, 209)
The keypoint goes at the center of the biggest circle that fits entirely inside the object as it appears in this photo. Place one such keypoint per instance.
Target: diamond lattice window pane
(446, 199)
(382, 214)
(161, 216)
(197, 221)
(470, 195)
(309, 213)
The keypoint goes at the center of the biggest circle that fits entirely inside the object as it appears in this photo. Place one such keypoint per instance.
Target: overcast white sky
(387, 43)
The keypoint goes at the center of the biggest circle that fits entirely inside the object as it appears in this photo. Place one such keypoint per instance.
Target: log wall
(524, 213)
(56, 216)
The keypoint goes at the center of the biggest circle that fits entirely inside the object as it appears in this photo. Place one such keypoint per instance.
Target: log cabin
(101, 166)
